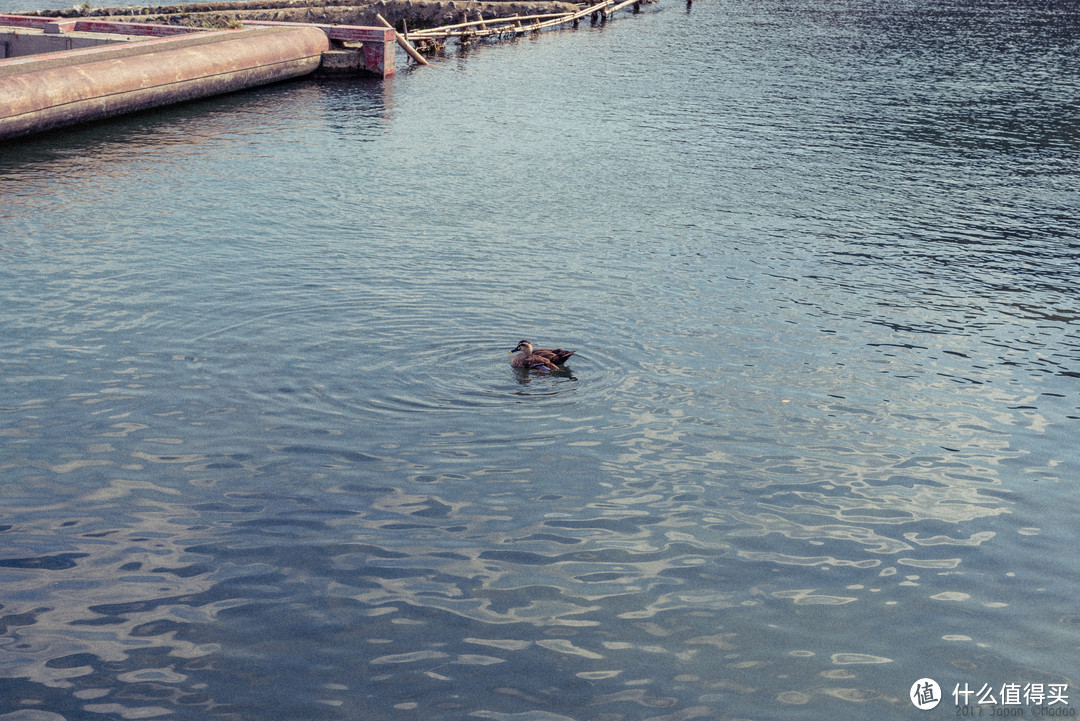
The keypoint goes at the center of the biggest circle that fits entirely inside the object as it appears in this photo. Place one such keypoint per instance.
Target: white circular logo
(925, 694)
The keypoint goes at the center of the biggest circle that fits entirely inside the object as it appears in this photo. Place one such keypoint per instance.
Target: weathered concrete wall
(28, 41)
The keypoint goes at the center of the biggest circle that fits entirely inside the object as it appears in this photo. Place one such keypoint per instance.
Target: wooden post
(403, 42)
(594, 9)
(467, 31)
(447, 30)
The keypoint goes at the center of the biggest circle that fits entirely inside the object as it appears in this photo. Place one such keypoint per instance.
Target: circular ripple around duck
(452, 374)
(418, 357)
(372, 352)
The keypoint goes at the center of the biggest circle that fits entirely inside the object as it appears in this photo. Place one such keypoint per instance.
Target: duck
(539, 358)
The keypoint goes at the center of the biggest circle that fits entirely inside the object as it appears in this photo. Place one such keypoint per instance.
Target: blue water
(262, 454)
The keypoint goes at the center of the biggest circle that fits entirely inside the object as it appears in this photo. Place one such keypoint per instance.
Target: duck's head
(525, 346)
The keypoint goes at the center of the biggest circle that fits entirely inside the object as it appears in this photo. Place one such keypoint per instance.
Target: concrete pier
(61, 71)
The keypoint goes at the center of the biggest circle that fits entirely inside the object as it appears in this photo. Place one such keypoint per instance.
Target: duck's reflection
(526, 376)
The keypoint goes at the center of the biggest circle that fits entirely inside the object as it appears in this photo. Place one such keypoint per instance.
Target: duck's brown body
(539, 358)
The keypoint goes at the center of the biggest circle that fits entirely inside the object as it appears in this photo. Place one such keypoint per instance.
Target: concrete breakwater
(59, 68)
(415, 13)
(41, 92)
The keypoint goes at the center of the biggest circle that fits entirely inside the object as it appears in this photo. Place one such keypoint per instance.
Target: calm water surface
(262, 455)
